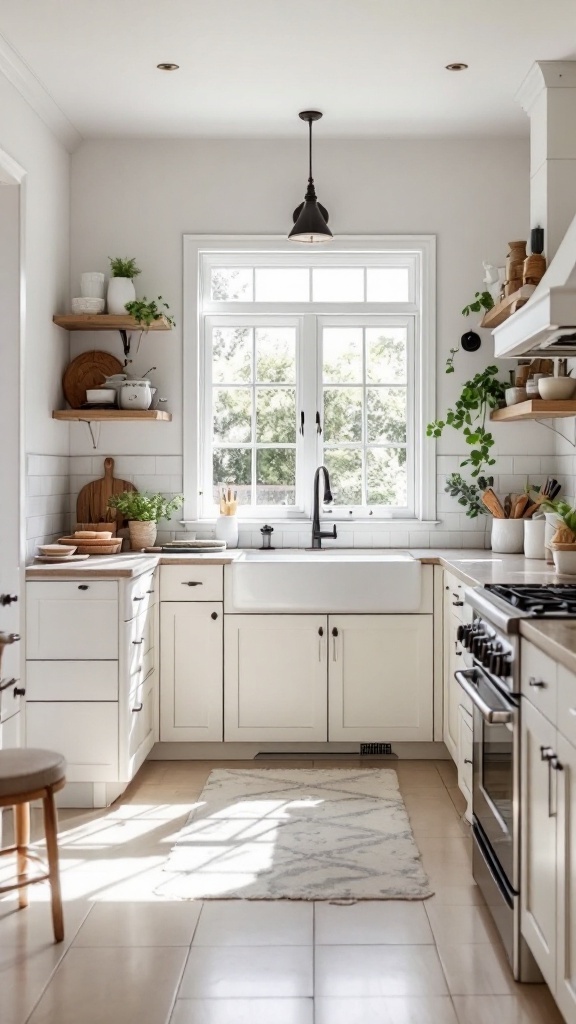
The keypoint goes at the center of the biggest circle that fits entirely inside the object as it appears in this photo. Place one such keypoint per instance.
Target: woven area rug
(297, 834)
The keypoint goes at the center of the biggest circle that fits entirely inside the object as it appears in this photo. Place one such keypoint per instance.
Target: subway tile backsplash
(47, 499)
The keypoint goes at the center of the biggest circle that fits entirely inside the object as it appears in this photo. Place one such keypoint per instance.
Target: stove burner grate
(554, 600)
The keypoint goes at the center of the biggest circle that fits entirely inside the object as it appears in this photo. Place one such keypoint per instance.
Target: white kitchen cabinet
(191, 679)
(538, 857)
(140, 727)
(69, 620)
(85, 733)
(275, 678)
(566, 879)
(380, 678)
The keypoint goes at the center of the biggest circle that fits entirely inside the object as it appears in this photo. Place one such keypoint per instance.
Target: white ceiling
(374, 67)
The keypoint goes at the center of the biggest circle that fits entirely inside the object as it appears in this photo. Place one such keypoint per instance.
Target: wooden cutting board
(92, 501)
(88, 370)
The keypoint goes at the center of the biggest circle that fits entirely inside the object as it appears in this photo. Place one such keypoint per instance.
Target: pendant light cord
(310, 178)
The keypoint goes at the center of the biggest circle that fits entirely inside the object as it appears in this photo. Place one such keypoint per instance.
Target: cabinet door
(140, 728)
(275, 676)
(191, 670)
(380, 677)
(566, 889)
(538, 815)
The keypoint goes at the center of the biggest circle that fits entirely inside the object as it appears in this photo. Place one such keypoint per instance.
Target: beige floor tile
(394, 1010)
(140, 924)
(368, 971)
(448, 772)
(255, 923)
(24, 975)
(31, 928)
(339, 763)
(458, 799)
(382, 922)
(447, 861)
(112, 986)
(476, 969)
(243, 1011)
(464, 924)
(533, 1004)
(457, 895)
(248, 972)
(437, 820)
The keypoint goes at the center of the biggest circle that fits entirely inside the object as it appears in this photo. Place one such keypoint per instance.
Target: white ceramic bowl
(101, 395)
(88, 305)
(556, 388)
(57, 549)
(564, 561)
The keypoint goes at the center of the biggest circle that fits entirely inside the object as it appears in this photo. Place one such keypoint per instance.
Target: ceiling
(374, 67)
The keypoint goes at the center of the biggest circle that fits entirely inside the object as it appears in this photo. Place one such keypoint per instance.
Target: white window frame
(201, 252)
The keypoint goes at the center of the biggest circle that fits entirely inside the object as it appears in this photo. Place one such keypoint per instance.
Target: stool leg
(51, 828)
(22, 837)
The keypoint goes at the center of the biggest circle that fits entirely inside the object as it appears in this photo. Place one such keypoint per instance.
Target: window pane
(276, 355)
(275, 476)
(387, 284)
(386, 355)
(231, 355)
(276, 415)
(386, 477)
(386, 414)
(342, 414)
(232, 414)
(345, 469)
(342, 355)
(282, 284)
(231, 284)
(232, 467)
(338, 284)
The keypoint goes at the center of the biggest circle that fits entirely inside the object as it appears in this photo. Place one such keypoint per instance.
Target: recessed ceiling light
(457, 66)
(167, 67)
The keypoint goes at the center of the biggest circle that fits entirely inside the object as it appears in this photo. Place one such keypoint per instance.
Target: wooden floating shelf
(106, 322)
(107, 415)
(534, 409)
(502, 310)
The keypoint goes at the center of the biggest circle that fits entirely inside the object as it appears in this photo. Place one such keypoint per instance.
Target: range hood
(547, 322)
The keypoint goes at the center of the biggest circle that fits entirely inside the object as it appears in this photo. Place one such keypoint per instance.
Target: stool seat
(27, 770)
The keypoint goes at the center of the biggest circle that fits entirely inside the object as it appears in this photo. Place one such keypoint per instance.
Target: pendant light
(310, 218)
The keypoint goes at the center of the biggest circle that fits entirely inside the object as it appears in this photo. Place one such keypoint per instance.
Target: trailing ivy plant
(482, 300)
(145, 312)
(478, 396)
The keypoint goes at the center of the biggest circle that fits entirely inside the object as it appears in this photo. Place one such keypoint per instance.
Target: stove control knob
(461, 633)
(506, 667)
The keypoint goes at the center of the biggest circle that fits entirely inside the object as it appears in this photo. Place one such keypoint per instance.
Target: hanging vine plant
(478, 396)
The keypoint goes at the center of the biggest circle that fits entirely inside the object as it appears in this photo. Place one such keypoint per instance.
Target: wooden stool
(26, 775)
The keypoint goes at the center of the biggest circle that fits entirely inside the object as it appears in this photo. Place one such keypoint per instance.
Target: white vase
(92, 285)
(227, 529)
(534, 534)
(120, 291)
(508, 536)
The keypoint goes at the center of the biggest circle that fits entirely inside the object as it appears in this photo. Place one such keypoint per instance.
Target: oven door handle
(491, 715)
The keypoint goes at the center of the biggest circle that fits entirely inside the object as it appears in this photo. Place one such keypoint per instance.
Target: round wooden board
(88, 370)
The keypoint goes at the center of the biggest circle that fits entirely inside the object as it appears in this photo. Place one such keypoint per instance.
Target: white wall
(139, 198)
(25, 138)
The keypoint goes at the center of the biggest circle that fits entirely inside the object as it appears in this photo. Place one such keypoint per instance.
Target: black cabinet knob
(7, 599)
(214, 615)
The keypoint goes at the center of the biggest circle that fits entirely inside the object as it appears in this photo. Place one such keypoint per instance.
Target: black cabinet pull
(214, 615)
(141, 598)
(137, 709)
(138, 642)
(467, 760)
(7, 599)
(302, 423)
(83, 586)
(458, 604)
(19, 692)
(192, 583)
(149, 591)
(318, 424)
(539, 684)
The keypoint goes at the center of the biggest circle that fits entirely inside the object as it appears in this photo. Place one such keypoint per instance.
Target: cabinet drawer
(140, 641)
(139, 594)
(191, 583)
(72, 621)
(86, 734)
(539, 679)
(72, 680)
(566, 723)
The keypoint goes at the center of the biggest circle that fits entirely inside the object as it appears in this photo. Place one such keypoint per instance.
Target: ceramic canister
(508, 536)
(135, 394)
(227, 529)
(92, 285)
(534, 534)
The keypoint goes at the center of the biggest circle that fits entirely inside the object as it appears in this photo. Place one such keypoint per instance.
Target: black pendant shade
(310, 218)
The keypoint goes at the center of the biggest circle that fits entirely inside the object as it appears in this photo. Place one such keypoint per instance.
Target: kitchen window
(310, 357)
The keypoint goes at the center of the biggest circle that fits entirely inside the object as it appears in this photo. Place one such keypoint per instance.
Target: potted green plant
(478, 396)
(121, 284)
(143, 512)
(145, 312)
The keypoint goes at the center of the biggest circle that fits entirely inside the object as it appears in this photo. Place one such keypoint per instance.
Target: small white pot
(92, 285)
(534, 535)
(120, 291)
(135, 394)
(565, 562)
(142, 534)
(508, 536)
(227, 529)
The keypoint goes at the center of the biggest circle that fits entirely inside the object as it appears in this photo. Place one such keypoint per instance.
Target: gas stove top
(544, 601)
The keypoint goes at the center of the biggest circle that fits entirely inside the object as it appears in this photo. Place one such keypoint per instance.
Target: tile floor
(132, 958)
